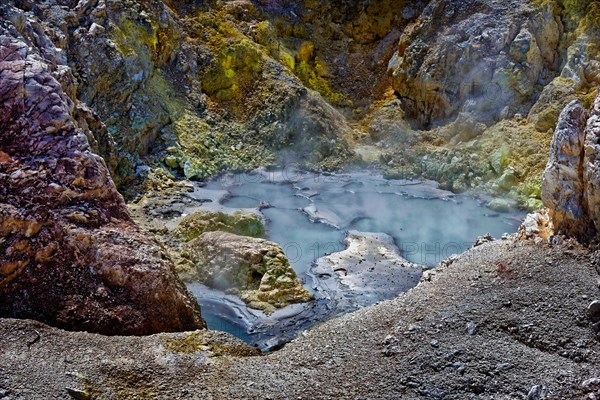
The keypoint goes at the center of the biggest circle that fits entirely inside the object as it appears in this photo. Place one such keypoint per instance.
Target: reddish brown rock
(70, 255)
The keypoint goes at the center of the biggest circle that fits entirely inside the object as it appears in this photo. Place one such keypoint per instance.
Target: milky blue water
(309, 216)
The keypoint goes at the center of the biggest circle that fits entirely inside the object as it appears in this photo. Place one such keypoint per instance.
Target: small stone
(389, 339)
(391, 350)
(435, 343)
(459, 367)
(504, 366)
(429, 274)
(537, 392)
(96, 30)
(78, 394)
(593, 311)
(483, 239)
(172, 162)
(391, 346)
(471, 329)
(591, 385)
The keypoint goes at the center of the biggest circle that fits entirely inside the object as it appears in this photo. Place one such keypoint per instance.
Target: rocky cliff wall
(187, 88)
(481, 85)
(463, 91)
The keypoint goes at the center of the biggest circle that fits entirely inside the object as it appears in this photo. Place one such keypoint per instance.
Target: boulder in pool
(500, 205)
(255, 269)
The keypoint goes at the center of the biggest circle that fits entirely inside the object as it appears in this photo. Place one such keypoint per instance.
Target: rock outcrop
(487, 63)
(591, 165)
(182, 87)
(563, 186)
(70, 255)
(537, 224)
(237, 223)
(570, 187)
(435, 88)
(255, 269)
(481, 82)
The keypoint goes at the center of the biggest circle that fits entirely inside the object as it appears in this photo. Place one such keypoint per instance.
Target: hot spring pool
(309, 215)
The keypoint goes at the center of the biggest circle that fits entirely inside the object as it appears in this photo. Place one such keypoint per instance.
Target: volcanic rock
(70, 256)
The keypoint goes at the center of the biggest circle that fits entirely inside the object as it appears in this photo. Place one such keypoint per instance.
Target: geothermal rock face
(571, 181)
(486, 63)
(70, 255)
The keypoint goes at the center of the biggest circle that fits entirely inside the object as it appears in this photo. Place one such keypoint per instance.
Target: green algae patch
(161, 90)
(194, 342)
(145, 40)
(237, 62)
(238, 223)
(500, 159)
(306, 51)
(505, 160)
(308, 74)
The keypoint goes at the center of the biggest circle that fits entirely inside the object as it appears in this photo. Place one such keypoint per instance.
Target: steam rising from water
(309, 216)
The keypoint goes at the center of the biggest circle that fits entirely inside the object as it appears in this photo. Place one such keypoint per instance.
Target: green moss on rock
(205, 151)
(194, 342)
(236, 66)
(238, 223)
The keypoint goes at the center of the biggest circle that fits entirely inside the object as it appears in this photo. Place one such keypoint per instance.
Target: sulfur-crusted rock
(70, 255)
(238, 223)
(182, 87)
(486, 63)
(537, 224)
(256, 269)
